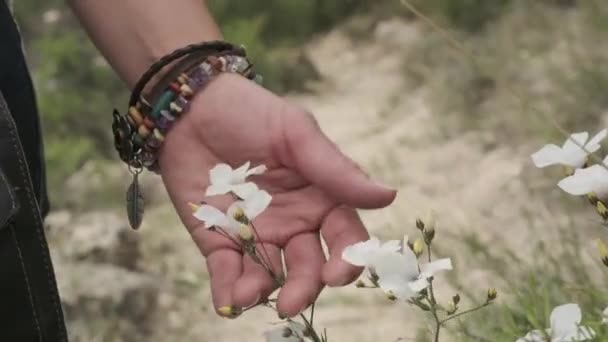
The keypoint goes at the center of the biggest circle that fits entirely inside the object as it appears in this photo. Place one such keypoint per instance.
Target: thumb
(320, 161)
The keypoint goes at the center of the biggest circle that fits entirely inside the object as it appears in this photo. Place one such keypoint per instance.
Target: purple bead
(181, 101)
(197, 78)
(153, 142)
(164, 124)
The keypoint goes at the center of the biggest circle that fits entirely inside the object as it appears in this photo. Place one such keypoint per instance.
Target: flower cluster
(395, 267)
(236, 224)
(582, 179)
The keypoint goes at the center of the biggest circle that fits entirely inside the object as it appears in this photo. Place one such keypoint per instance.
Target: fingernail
(229, 311)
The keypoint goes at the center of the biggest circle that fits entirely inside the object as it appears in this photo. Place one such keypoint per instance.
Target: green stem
(315, 337)
(465, 312)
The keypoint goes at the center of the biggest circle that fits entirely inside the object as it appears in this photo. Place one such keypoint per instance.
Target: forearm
(133, 34)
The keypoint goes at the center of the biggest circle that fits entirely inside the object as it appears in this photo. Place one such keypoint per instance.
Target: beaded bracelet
(139, 134)
(153, 122)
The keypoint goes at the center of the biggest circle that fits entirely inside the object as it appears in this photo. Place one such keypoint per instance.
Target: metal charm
(135, 200)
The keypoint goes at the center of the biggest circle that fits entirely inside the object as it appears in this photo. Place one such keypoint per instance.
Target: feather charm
(135, 203)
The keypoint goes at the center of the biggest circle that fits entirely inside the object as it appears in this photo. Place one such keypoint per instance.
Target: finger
(342, 227)
(304, 259)
(256, 283)
(320, 161)
(225, 267)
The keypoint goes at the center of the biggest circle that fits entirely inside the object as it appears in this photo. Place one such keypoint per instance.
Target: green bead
(163, 103)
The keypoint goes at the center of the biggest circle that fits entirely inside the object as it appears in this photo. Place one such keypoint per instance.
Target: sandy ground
(363, 105)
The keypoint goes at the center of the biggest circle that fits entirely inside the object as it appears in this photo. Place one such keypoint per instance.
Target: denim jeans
(30, 309)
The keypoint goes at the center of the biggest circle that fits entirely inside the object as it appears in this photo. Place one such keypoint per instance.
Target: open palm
(315, 189)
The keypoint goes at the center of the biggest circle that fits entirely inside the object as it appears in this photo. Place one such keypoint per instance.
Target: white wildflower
(593, 179)
(570, 154)
(223, 179)
(231, 222)
(605, 316)
(395, 265)
(565, 327)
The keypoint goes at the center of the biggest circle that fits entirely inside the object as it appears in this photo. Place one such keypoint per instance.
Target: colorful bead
(159, 135)
(143, 131)
(198, 77)
(174, 87)
(152, 142)
(186, 90)
(223, 63)
(163, 124)
(136, 115)
(181, 101)
(206, 67)
(167, 115)
(182, 79)
(216, 65)
(148, 123)
(163, 103)
(175, 108)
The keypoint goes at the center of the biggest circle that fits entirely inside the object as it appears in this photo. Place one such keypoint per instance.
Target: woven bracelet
(140, 132)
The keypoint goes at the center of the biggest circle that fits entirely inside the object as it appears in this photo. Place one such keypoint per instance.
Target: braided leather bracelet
(139, 134)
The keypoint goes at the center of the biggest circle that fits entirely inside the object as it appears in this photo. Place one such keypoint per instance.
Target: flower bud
(419, 224)
(601, 246)
(418, 247)
(451, 309)
(456, 299)
(492, 294)
(245, 233)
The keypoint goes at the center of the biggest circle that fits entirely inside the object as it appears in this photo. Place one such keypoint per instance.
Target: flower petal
(548, 155)
(565, 319)
(258, 170)
(361, 253)
(594, 143)
(395, 272)
(419, 285)
(220, 174)
(429, 269)
(587, 180)
(244, 190)
(218, 189)
(391, 246)
(211, 216)
(580, 138)
(256, 203)
(239, 175)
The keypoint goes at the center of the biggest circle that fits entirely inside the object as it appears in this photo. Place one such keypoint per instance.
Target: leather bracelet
(139, 133)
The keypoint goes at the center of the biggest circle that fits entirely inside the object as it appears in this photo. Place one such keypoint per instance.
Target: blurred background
(391, 91)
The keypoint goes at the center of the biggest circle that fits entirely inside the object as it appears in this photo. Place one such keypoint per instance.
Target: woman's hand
(315, 188)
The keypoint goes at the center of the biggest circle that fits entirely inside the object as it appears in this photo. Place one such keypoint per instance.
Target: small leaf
(135, 203)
